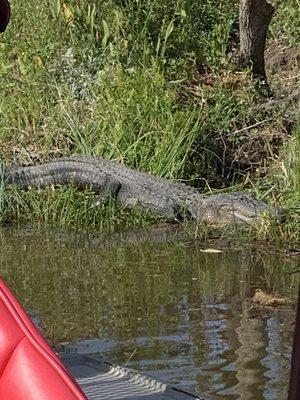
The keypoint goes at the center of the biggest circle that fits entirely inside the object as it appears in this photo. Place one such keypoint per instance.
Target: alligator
(173, 200)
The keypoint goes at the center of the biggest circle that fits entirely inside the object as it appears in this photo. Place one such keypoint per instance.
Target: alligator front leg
(109, 192)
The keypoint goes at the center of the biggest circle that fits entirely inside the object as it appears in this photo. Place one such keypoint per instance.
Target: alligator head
(237, 207)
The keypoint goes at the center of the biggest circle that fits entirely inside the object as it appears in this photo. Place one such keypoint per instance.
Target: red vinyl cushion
(4, 14)
(29, 369)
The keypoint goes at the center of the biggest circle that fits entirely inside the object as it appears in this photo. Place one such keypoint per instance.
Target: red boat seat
(29, 369)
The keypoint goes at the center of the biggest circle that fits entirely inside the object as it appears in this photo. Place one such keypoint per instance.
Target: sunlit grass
(69, 208)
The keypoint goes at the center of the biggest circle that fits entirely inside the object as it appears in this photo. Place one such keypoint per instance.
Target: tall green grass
(285, 26)
(68, 208)
(296, 166)
(97, 82)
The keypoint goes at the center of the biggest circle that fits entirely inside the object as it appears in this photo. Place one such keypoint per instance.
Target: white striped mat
(101, 380)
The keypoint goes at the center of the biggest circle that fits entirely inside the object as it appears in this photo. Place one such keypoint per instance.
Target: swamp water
(166, 309)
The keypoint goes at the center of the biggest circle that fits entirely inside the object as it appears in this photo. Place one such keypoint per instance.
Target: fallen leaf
(68, 12)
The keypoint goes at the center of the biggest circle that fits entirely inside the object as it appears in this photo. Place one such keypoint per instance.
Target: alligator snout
(237, 207)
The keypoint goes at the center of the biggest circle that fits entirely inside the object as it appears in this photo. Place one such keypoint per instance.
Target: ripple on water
(182, 315)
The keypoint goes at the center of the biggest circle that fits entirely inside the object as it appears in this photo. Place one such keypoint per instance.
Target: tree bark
(254, 20)
(294, 386)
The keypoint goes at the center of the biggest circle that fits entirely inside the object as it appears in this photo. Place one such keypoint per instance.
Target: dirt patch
(257, 148)
(283, 70)
(279, 57)
(254, 147)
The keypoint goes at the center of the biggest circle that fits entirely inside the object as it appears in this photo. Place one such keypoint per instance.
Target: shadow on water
(182, 315)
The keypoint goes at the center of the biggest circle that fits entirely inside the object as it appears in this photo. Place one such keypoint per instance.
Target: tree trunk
(254, 19)
(294, 386)
(4, 14)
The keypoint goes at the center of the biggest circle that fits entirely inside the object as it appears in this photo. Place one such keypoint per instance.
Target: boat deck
(101, 380)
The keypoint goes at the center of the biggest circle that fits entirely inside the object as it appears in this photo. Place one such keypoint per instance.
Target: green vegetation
(152, 84)
(68, 207)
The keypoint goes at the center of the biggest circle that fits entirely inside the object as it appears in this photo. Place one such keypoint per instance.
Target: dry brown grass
(269, 300)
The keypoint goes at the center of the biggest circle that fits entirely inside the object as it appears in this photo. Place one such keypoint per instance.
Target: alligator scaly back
(133, 188)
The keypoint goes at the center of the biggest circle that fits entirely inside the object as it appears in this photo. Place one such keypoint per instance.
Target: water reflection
(166, 308)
